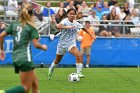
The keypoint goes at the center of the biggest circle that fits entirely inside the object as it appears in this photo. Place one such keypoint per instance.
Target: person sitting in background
(112, 14)
(105, 9)
(12, 8)
(79, 17)
(84, 9)
(94, 19)
(121, 14)
(61, 14)
(2, 26)
(46, 12)
(99, 11)
(71, 5)
(86, 42)
(126, 8)
(116, 30)
(53, 29)
(103, 28)
(134, 17)
(38, 14)
(127, 31)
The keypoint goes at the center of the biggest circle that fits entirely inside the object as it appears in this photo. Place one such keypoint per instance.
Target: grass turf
(97, 80)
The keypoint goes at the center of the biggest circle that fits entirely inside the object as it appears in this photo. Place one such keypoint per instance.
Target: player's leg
(35, 87)
(26, 83)
(53, 65)
(27, 79)
(74, 50)
(25, 69)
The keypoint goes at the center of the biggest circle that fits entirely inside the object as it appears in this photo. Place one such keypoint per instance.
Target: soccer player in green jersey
(23, 32)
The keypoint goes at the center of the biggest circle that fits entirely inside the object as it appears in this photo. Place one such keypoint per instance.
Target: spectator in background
(61, 14)
(111, 2)
(100, 2)
(112, 14)
(2, 26)
(94, 19)
(105, 9)
(126, 8)
(38, 14)
(66, 3)
(77, 3)
(121, 14)
(103, 28)
(116, 30)
(12, 8)
(84, 9)
(127, 31)
(71, 5)
(46, 12)
(53, 29)
(99, 12)
(61, 4)
(131, 4)
(86, 42)
(134, 17)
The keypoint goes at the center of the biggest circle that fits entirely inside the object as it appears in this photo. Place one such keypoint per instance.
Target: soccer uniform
(68, 36)
(21, 54)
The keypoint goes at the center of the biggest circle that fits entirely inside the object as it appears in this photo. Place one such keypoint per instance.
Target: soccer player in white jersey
(67, 42)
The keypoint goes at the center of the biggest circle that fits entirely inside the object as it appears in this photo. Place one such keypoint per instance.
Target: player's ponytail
(25, 16)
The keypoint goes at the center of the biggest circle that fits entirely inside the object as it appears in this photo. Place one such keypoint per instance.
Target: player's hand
(44, 47)
(2, 55)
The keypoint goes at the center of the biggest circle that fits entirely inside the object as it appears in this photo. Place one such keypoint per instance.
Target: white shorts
(61, 49)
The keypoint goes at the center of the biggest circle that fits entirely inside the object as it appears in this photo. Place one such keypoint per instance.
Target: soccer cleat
(50, 74)
(2, 91)
(80, 75)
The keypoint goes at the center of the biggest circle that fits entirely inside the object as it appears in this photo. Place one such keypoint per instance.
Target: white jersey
(68, 36)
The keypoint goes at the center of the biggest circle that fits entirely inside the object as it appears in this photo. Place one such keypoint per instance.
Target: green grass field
(97, 80)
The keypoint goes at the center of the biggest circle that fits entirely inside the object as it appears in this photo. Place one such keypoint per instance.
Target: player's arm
(2, 54)
(38, 45)
(2, 35)
(61, 26)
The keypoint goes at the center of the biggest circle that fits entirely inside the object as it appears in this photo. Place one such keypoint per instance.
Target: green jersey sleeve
(34, 34)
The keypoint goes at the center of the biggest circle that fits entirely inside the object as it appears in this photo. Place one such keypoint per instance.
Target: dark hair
(87, 22)
(71, 9)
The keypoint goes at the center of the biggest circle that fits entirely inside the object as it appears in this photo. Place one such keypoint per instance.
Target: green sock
(18, 89)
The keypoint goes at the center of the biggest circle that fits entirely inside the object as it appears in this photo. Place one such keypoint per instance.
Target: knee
(87, 55)
(27, 89)
(78, 56)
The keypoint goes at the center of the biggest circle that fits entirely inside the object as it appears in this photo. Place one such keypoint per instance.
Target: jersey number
(19, 30)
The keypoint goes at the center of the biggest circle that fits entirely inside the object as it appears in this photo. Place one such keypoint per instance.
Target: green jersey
(22, 37)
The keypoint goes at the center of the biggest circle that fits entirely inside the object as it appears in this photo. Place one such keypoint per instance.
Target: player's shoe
(50, 73)
(2, 91)
(80, 75)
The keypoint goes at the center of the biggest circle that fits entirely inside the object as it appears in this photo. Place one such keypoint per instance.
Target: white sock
(53, 65)
(79, 67)
(87, 65)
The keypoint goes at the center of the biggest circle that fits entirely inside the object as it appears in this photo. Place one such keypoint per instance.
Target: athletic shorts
(23, 66)
(86, 51)
(61, 50)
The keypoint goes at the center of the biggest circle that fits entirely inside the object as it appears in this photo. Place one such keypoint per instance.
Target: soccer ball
(73, 77)
(80, 38)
